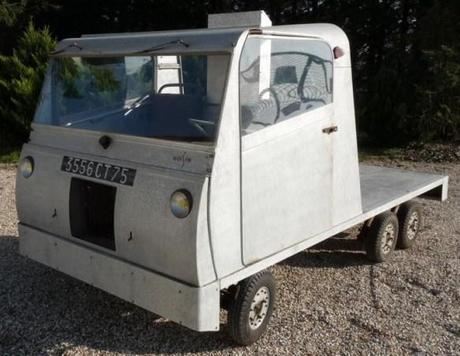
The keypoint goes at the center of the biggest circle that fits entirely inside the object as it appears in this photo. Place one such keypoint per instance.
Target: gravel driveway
(331, 300)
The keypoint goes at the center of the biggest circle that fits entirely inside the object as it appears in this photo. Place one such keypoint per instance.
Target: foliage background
(406, 54)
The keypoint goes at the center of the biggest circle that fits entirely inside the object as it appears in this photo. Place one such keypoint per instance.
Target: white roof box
(239, 19)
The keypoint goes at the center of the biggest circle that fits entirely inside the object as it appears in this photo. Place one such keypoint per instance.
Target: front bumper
(194, 307)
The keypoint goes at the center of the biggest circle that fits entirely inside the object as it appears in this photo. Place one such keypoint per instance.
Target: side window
(281, 78)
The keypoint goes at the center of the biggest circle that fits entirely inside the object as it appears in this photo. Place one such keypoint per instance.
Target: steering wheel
(275, 98)
(199, 125)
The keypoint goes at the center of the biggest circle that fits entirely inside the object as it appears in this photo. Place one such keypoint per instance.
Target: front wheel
(251, 308)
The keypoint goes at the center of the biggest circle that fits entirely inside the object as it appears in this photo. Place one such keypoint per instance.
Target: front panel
(126, 214)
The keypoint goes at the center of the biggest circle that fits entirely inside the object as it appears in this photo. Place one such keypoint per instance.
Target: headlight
(181, 203)
(27, 167)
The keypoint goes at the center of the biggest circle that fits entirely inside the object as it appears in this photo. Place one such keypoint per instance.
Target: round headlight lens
(181, 203)
(27, 167)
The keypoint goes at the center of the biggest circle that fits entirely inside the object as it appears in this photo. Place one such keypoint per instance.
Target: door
(285, 107)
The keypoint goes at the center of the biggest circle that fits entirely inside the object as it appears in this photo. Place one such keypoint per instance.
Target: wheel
(251, 308)
(410, 222)
(382, 236)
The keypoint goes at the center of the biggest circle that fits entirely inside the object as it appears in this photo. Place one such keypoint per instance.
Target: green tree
(405, 53)
(21, 76)
(437, 90)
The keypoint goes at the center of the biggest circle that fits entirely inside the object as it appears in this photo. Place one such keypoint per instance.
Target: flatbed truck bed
(382, 189)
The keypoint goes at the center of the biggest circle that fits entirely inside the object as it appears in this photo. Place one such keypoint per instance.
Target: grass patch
(415, 152)
(373, 153)
(10, 156)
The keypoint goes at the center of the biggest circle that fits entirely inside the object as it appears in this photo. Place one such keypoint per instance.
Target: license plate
(98, 170)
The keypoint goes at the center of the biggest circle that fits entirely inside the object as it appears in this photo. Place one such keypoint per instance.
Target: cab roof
(162, 42)
(215, 40)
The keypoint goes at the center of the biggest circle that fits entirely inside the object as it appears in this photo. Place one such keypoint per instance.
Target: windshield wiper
(72, 45)
(165, 45)
(136, 104)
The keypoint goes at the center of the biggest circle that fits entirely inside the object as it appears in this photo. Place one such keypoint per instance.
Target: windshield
(167, 97)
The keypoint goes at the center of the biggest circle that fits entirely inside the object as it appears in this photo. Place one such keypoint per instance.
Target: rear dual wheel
(382, 237)
(389, 230)
(410, 223)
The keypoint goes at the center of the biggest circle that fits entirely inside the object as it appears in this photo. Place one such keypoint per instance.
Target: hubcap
(413, 226)
(259, 308)
(388, 238)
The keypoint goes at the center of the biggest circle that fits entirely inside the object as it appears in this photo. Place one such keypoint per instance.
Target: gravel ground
(331, 300)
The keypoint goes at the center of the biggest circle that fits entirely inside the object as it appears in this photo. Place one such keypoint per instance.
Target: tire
(363, 232)
(410, 222)
(382, 237)
(254, 296)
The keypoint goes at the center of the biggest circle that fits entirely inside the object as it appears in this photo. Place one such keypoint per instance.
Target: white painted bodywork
(277, 214)
(225, 190)
(258, 199)
(194, 307)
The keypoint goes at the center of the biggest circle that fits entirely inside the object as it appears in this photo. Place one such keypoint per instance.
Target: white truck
(171, 169)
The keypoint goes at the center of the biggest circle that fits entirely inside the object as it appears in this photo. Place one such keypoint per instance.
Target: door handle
(330, 129)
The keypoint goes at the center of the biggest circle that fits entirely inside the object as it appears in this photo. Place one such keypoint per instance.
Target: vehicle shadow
(337, 252)
(46, 312)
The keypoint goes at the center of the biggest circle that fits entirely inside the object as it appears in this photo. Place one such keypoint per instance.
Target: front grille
(91, 207)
